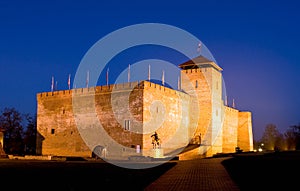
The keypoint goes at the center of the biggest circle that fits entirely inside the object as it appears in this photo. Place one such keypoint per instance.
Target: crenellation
(230, 109)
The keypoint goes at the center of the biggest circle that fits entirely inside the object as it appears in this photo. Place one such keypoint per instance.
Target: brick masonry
(122, 117)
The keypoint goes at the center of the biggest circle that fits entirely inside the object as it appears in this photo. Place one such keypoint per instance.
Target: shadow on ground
(75, 175)
(265, 171)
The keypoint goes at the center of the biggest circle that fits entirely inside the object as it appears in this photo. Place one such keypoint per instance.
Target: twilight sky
(255, 42)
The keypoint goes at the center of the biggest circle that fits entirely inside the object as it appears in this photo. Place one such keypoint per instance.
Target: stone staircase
(193, 151)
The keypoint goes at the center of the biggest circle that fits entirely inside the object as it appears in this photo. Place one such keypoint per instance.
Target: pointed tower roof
(199, 62)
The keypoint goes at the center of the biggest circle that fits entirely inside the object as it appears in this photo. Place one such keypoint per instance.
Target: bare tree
(30, 135)
(292, 137)
(11, 122)
(272, 138)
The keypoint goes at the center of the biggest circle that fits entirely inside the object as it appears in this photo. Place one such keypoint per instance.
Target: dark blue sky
(255, 42)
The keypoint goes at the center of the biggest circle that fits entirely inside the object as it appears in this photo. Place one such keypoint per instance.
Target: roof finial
(199, 48)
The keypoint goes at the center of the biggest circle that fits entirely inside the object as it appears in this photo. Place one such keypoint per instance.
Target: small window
(127, 125)
(52, 131)
(196, 85)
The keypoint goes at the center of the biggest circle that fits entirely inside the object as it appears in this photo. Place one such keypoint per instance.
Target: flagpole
(178, 83)
(107, 76)
(163, 77)
(69, 81)
(128, 73)
(87, 78)
(149, 73)
(52, 84)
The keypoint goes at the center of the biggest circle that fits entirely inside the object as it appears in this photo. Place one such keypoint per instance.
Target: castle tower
(202, 80)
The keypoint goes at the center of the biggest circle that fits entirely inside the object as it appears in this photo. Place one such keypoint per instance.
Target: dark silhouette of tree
(11, 122)
(292, 137)
(30, 135)
(272, 138)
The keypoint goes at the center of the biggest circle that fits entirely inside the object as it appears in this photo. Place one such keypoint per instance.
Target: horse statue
(155, 141)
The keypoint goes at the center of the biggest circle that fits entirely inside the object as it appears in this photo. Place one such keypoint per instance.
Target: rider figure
(155, 138)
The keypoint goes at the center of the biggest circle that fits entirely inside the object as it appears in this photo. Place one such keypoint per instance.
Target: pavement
(202, 174)
(206, 174)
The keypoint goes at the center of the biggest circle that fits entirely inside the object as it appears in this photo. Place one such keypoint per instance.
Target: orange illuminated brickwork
(195, 114)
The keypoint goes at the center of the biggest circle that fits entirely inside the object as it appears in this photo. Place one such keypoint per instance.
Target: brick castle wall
(166, 111)
(69, 121)
(121, 117)
(245, 134)
(230, 130)
(63, 116)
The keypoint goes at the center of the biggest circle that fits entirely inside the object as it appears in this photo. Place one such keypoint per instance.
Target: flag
(107, 76)
(149, 72)
(163, 77)
(69, 81)
(129, 73)
(87, 78)
(52, 84)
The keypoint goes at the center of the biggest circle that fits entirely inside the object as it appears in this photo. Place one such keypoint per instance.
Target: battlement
(227, 108)
(109, 88)
(95, 89)
(194, 70)
(164, 89)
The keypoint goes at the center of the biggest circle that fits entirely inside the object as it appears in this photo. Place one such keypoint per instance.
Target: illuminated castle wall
(129, 113)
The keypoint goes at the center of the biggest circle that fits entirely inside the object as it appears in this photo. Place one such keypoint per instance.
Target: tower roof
(199, 62)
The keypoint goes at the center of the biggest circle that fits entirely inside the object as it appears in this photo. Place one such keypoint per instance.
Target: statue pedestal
(158, 153)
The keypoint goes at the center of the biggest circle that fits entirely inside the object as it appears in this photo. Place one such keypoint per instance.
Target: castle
(121, 118)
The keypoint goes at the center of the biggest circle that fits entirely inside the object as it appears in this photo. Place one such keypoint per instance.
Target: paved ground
(250, 171)
(199, 175)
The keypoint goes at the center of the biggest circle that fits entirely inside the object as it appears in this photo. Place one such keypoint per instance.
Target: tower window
(196, 85)
(52, 131)
(127, 125)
